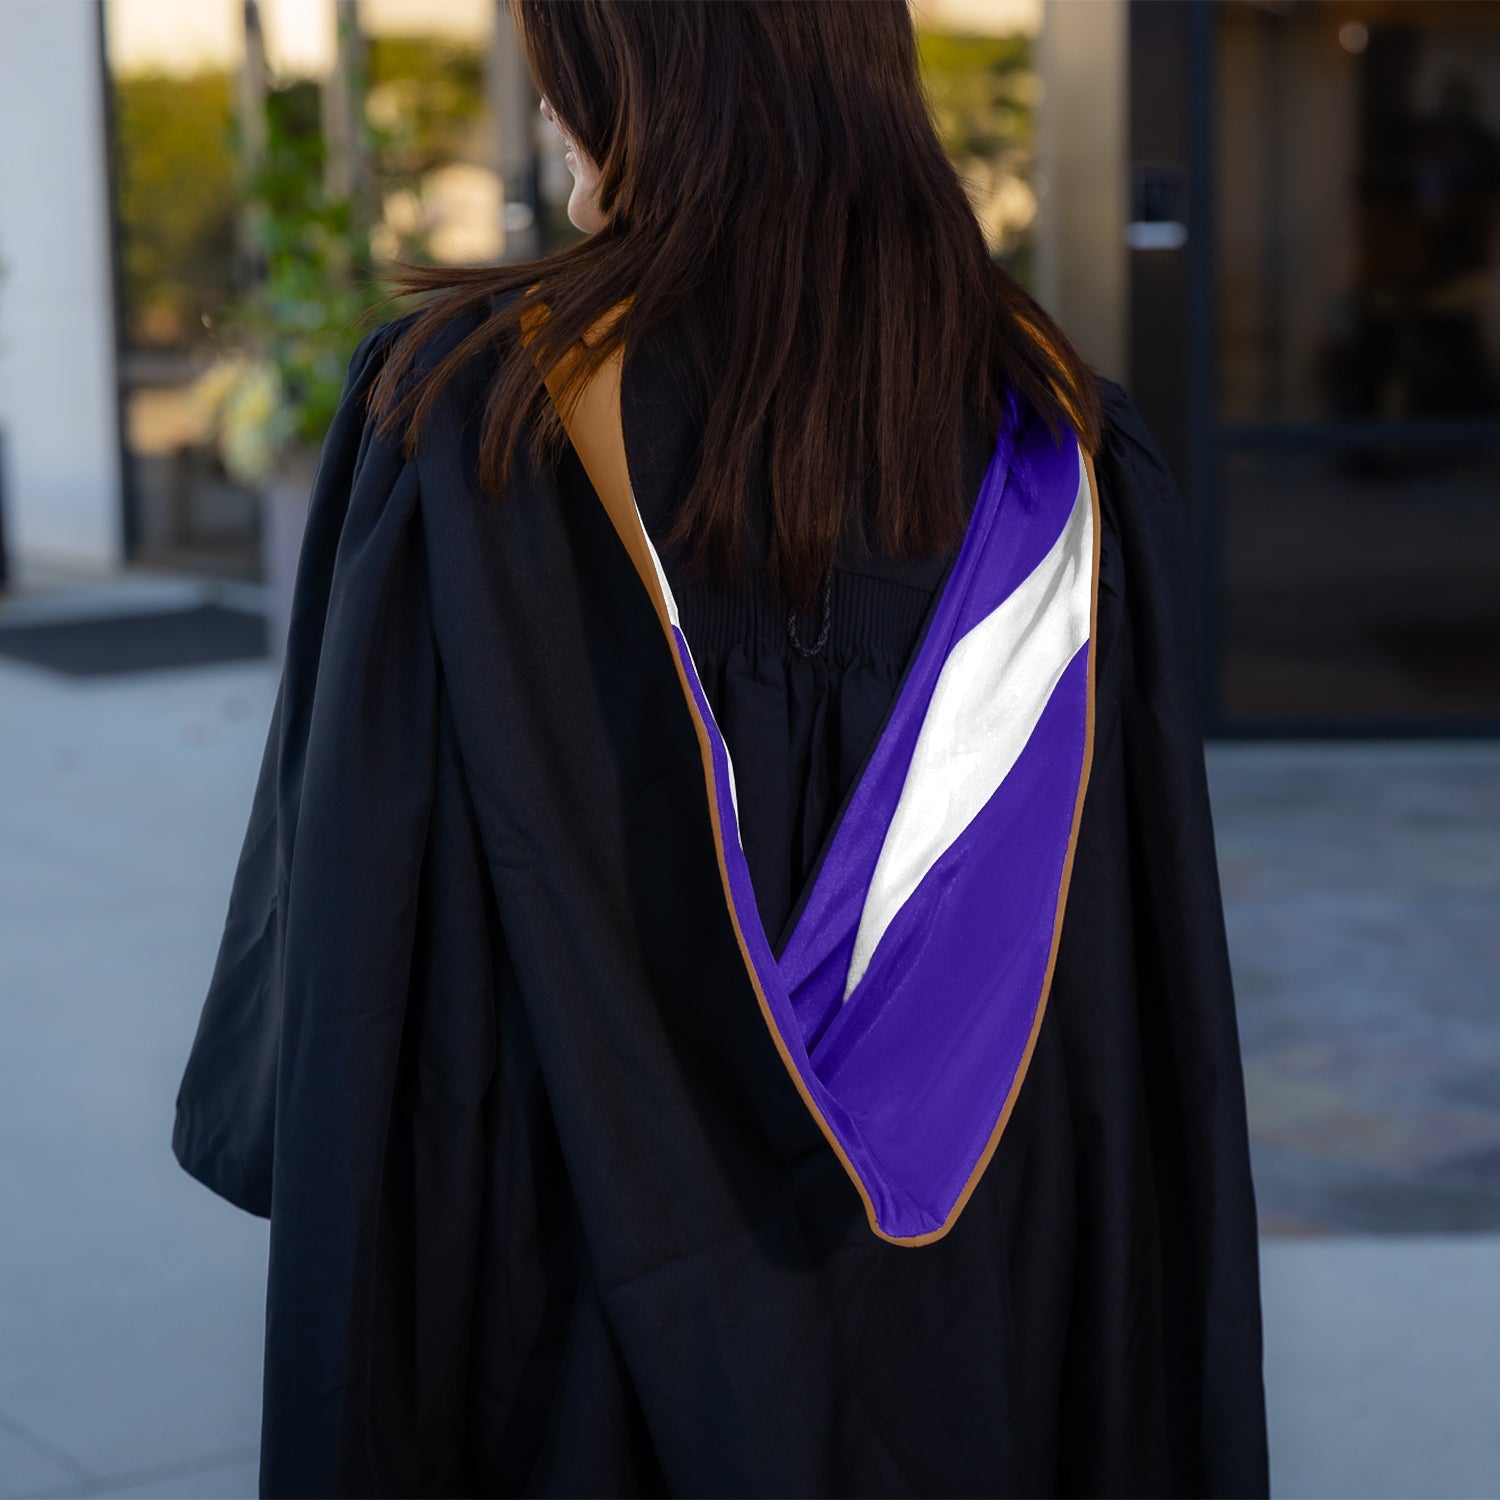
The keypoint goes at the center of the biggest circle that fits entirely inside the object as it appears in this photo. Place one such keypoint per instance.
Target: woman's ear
(583, 201)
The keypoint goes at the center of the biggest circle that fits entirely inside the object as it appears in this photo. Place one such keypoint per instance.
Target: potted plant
(269, 399)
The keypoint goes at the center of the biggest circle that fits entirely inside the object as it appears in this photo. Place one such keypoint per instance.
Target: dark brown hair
(772, 185)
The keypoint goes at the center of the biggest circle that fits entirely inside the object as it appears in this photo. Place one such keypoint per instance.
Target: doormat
(112, 645)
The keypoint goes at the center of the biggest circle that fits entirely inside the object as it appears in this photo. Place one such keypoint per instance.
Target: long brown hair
(773, 186)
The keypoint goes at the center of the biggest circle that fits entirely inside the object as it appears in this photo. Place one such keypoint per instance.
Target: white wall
(62, 482)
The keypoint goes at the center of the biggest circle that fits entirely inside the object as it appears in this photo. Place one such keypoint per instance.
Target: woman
(725, 989)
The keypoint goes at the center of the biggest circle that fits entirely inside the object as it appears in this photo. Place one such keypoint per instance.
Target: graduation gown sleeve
(1166, 1257)
(358, 912)
(225, 1124)
(1190, 1038)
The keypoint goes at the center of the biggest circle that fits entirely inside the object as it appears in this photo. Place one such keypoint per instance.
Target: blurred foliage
(175, 169)
(283, 343)
(288, 340)
(983, 93)
(176, 166)
(313, 280)
(427, 98)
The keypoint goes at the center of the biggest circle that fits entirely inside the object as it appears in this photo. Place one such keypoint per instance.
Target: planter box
(284, 504)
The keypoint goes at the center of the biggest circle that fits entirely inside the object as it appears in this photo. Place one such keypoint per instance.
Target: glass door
(1355, 447)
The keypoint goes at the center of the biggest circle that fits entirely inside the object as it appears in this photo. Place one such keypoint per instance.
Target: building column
(58, 371)
(1082, 152)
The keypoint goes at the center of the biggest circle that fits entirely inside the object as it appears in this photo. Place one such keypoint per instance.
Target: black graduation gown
(548, 1215)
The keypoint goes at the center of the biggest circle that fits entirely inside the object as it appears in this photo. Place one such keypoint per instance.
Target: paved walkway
(1383, 1366)
(1362, 891)
(130, 1298)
